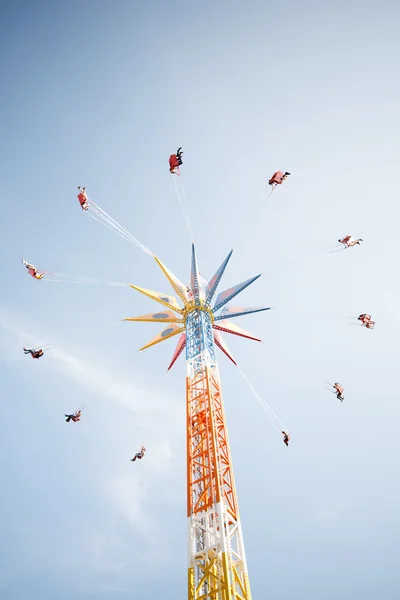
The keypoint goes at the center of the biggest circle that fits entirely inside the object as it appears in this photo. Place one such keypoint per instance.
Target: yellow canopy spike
(167, 333)
(164, 299)
(178, 287)
(165, 316)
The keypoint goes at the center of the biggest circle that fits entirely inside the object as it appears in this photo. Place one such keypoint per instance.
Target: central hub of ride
(198, 305)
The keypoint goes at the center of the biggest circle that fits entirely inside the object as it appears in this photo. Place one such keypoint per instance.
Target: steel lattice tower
(217, 568)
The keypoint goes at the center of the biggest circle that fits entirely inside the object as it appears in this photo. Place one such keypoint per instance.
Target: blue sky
(99, 94)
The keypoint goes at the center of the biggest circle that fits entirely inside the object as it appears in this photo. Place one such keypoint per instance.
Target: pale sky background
(99, 94)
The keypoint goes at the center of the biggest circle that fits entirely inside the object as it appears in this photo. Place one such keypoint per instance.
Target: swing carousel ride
(217, 568)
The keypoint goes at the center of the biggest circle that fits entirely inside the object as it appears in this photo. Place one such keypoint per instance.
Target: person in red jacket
(349, 241)
(339, 391)
(278, 178)
(175, 161)
(32, 270)
(82, 197)
(75, 417)
(366, 321)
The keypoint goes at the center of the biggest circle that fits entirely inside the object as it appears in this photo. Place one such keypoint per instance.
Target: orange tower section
(217, 568)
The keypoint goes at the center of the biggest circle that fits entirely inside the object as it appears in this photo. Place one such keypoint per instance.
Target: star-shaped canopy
(199, 293)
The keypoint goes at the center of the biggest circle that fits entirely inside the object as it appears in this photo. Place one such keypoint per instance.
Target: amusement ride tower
(217, 567)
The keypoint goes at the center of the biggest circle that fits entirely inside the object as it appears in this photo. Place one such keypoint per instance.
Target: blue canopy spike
(224, 297)
(213, 283)
(194, 280)
(238, 311)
